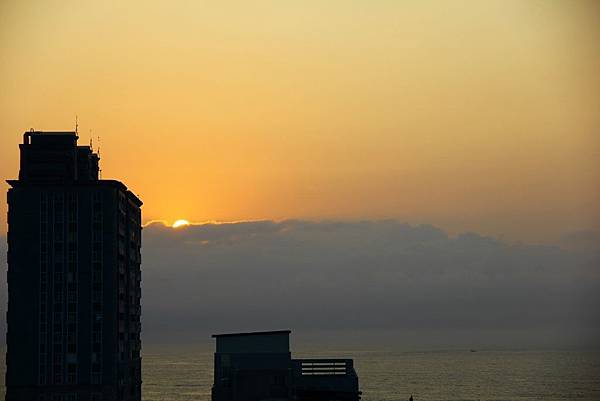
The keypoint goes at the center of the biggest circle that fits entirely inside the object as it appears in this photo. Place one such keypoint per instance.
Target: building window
(57, 376)
(71, 373)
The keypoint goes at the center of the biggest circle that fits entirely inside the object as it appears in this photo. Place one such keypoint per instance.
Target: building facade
(258, 366)
(74, 277)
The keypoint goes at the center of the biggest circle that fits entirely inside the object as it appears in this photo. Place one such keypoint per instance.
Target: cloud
(581, 240)
(366, 275)
(362, 276)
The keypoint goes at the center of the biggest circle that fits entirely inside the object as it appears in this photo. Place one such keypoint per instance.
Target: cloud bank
(368, 275)
(359, 277)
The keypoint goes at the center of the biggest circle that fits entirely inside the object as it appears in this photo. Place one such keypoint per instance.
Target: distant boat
(472, 350)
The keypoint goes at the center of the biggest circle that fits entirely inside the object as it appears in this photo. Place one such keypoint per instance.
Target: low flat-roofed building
(258, 366)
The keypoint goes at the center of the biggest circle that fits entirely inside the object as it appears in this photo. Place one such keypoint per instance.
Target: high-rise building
(73, 277)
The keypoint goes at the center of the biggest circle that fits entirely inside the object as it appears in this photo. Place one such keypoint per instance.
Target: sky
(425, 169)
(468, 115)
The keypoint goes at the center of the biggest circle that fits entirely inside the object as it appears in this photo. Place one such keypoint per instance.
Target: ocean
(184, 373)
(177, 374)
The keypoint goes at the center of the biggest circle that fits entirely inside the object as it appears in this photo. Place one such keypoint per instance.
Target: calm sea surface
(176, 373)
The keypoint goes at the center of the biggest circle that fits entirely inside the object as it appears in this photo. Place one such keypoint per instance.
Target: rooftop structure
(258, 366)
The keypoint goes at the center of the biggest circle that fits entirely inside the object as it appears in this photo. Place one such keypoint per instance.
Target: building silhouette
(73, 277)
(259, 366)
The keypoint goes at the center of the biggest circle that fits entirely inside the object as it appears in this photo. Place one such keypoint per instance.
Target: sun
(180, 223)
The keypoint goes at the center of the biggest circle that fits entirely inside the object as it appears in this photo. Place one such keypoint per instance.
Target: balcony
(325, 379)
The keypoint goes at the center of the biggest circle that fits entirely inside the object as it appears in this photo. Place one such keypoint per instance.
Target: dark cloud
(361, 276)
(586, 240)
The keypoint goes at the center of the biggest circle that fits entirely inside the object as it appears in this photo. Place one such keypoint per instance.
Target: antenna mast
(76, 124)
(99, 169)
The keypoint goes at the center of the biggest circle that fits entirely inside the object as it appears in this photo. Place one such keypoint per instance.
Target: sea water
(175, 373)
(184, 373)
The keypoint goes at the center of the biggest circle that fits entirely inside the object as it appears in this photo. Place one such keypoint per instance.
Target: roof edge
(252, 333)
(17, 183)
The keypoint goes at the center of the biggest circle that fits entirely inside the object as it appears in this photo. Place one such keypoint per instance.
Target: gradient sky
(470, 115)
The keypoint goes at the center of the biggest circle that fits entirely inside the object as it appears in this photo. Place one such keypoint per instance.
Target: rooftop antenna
(76, 123)
(91, 141)
(99, 169)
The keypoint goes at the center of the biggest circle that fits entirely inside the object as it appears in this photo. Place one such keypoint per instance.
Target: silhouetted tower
(73, 277)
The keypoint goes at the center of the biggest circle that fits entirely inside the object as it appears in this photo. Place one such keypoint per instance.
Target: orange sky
(468, 115)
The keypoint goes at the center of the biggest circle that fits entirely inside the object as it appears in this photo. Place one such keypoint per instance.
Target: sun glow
(180, 223)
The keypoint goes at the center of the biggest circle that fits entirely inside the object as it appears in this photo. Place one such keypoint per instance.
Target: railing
(324, 367)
